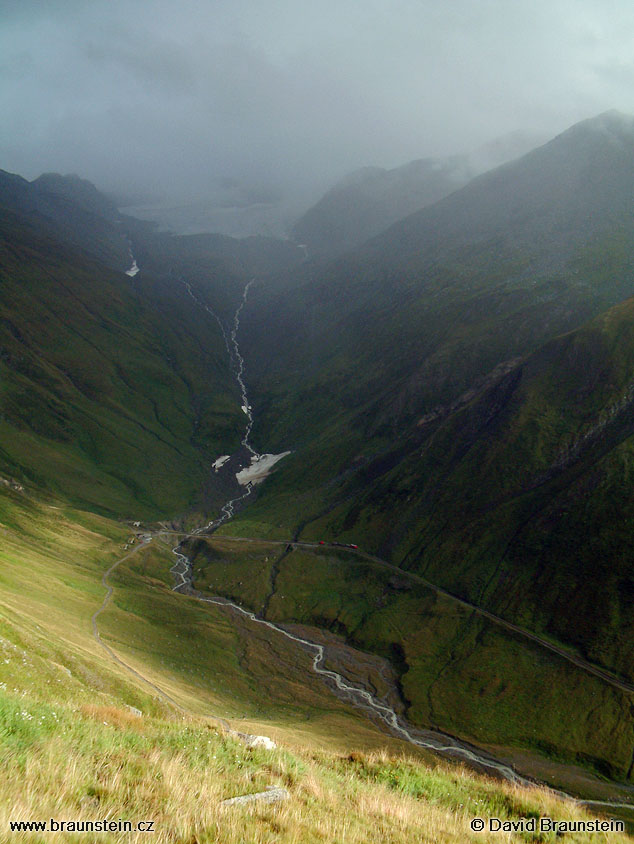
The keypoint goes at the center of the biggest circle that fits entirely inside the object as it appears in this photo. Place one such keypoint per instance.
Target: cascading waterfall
(246, 407)
(233, 350)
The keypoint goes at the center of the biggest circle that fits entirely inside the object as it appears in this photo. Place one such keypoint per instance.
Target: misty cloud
(175, 99)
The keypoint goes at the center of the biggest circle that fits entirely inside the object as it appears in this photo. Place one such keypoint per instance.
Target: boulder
(272, 794)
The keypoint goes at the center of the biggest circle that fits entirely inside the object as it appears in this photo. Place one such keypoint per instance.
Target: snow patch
(221, 461)
(259, 469)
(134, 269)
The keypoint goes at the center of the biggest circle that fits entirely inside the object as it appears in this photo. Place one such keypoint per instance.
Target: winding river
(359, 696)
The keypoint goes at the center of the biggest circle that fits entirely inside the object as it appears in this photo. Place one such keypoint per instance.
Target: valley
(372, 505)
(183, 572)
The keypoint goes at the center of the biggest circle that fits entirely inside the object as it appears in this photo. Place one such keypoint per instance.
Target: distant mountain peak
(78, 190)
(612, 123)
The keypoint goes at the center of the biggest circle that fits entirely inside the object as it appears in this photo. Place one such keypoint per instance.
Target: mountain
(428, 309)
(115, 397)
(431, 311)
(70, 209)
(460, 388)
(79, 193)
(115, 393)
(117, 390)
(370, 199)
(456, 397)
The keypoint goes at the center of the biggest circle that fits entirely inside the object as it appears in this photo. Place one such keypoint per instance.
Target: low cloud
(177, 99)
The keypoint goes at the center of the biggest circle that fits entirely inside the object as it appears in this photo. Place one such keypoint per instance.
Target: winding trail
(95, 629)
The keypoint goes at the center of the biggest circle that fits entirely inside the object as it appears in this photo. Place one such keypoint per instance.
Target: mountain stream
(357, 695)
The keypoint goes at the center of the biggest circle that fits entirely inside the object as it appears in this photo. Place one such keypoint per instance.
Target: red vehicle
(352, 545)
(321, 542)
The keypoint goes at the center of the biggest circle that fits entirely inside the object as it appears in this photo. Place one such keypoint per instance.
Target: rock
(261, 741)
(272, 795)
(134, 711)
(12, 484)
(254, 741)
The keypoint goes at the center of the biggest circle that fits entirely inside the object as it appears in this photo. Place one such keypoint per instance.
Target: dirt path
(95, 629)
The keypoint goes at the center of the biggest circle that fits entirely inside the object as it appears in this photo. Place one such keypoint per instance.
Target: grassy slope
(458, 672)
(519, 501)
(353, 355)
(71, 749)
(446, 427)
(115, 400)
(532, 516)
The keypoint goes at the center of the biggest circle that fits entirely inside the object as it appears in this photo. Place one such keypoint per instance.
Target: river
(359, 696)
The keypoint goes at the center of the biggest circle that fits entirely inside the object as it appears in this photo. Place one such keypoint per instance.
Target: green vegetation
(116, 400)
(74, 748)
(457, 395)
(175, 773)
(457, 671)
(445, 410)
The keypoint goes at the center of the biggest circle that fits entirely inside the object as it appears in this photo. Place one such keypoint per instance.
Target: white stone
(271, 795)
(261, 741)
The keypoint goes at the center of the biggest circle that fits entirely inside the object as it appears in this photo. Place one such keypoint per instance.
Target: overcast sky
(175, 97)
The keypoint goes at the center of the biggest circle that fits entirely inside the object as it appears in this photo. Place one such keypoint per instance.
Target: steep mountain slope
(369, 200)
(115, 399)
(519, 500)
(425, 312)
(436, 416)
(447, 426)
(70, 209)
(117, 390)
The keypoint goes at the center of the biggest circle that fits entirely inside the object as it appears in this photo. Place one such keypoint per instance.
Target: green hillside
(456, 670)
(82, 739)
(114, 399)
(371, 199)
(457, 399)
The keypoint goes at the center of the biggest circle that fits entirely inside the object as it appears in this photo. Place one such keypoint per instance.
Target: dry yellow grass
(70, 748)
(105, 763)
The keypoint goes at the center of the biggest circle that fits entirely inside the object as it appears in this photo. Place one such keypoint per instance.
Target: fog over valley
(210, 108)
